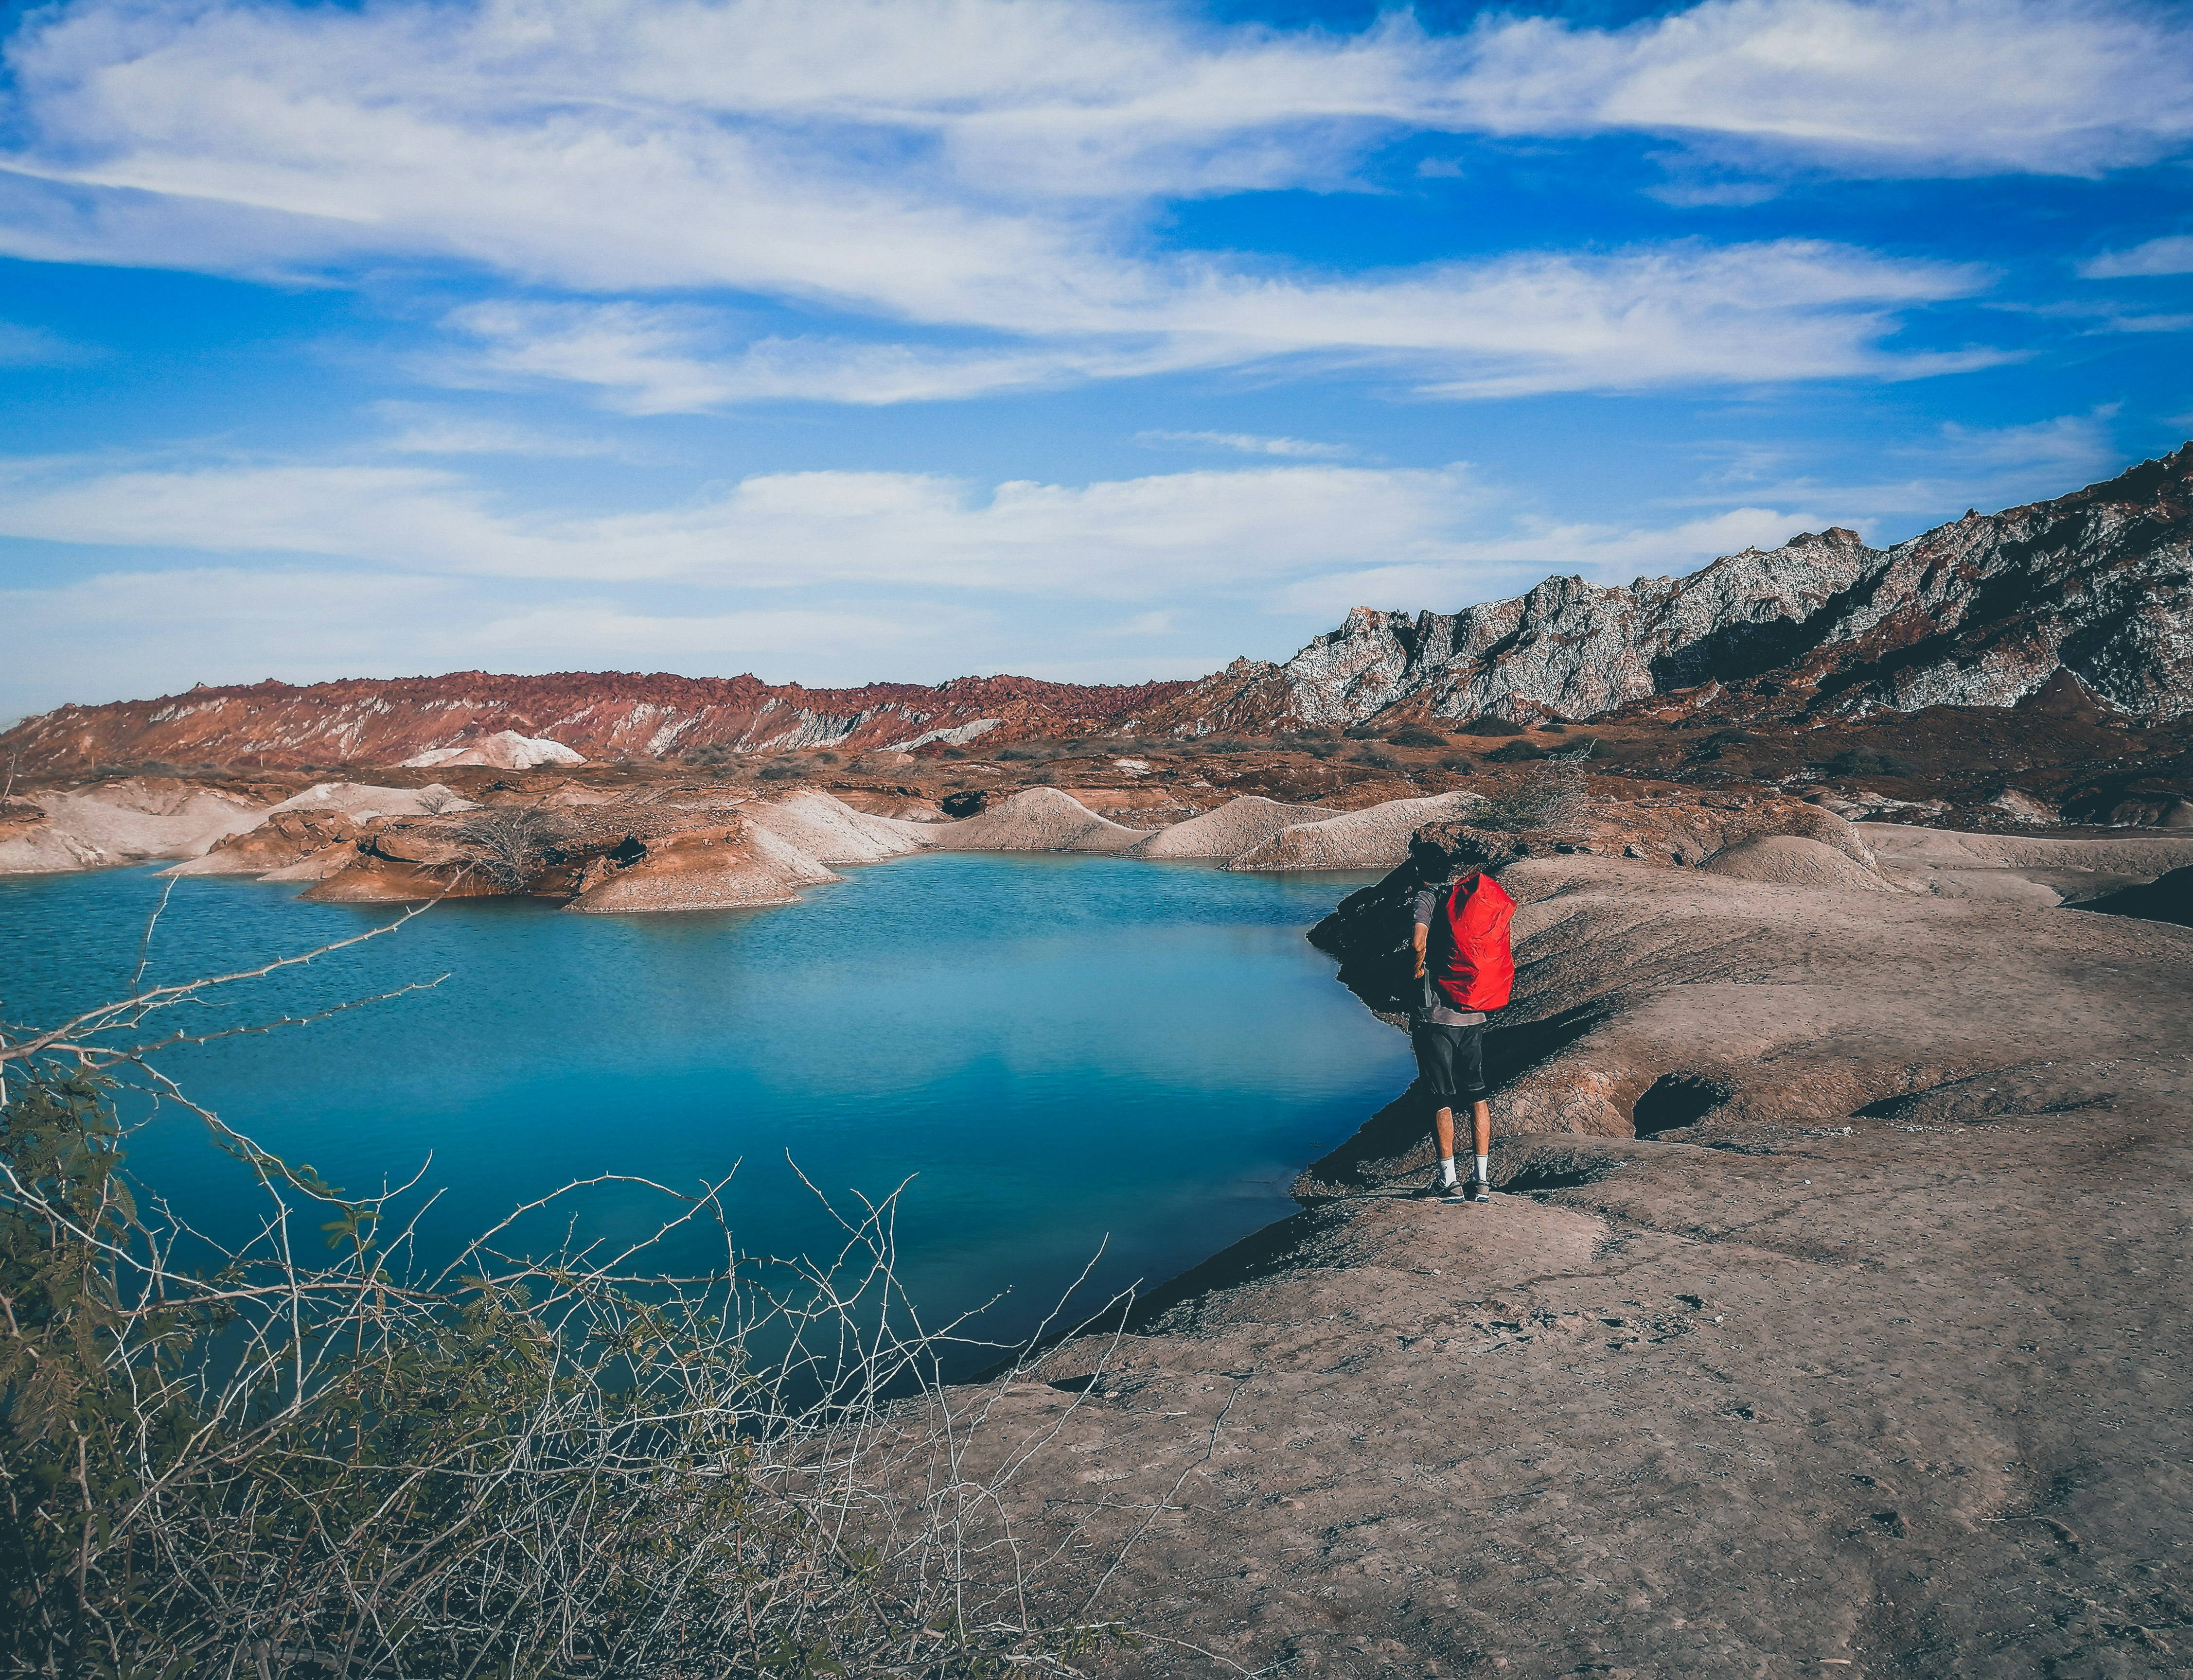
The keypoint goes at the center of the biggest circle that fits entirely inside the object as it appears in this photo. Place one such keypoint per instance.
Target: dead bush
(508, 846)
(1549, 797)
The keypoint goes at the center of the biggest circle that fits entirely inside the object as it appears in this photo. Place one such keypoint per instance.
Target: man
(1466, 966)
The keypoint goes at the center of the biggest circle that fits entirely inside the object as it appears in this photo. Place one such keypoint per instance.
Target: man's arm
(1423, 932)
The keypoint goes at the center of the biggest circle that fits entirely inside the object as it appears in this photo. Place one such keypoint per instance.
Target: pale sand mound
(1792, 861)
(507, 750)
(2020, 868)
(829, 831)
(760, 853)
(125, 822)
(361, 801)
(1231, 829)
(1376, 838)
(1037, 820)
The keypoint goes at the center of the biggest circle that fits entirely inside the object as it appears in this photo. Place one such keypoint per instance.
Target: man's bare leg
(1480, 1126)
(1443, 1130)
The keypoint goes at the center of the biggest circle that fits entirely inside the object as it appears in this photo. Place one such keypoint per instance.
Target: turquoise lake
(1059, 1054)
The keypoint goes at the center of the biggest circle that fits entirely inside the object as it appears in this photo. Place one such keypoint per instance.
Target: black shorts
(1450, 1060)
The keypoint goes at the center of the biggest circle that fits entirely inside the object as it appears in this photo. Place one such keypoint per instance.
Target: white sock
(1484, 1169)
(1446, 1169)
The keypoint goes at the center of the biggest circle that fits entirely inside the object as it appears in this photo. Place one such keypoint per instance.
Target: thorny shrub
(256, 1464)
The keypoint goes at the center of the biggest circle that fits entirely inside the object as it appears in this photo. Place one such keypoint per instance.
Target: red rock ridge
(606, 715)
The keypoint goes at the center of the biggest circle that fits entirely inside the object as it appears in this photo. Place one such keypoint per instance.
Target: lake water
(1059, 1053)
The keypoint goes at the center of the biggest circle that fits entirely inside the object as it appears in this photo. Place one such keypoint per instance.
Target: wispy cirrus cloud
(985, 167)
(1756, 314)
(1250, 444)
(424, 430)
(1125, 539)
(34, 347)
(2171, 255)
(1865, 87)
(1986, 466)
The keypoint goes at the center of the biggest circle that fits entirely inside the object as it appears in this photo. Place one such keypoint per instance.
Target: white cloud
(34, 347)
(426, 431)
(2059, 449)
(1866, 87)
(590, 632)
(159, 631)
(1250, 444)
(655, 360)
(1785, 310)
(1164, 623)
(1961, 466)
(1143, 538)
(145, 633)
(979, 166)
(2171, 255)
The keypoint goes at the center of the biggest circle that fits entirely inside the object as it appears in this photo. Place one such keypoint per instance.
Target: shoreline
(1830, 1277)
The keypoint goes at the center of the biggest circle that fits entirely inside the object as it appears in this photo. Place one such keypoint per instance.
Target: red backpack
(1477, 970)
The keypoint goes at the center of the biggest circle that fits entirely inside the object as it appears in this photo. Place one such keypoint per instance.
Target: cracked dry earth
(1900, 1392)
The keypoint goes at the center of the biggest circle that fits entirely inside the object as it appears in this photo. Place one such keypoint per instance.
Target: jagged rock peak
(1984, 611)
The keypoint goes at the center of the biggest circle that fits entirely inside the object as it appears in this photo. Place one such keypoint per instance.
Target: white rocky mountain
(1980, 612)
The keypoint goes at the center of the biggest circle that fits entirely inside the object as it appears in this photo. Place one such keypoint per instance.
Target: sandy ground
(1870, 1359)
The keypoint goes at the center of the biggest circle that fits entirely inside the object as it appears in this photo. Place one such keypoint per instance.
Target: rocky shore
(1832, 1315)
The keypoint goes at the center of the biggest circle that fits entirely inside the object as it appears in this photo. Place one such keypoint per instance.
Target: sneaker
(1477, 1191)
(1439, 1190)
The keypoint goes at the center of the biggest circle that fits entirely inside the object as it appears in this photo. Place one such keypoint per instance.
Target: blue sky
(835, 340)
